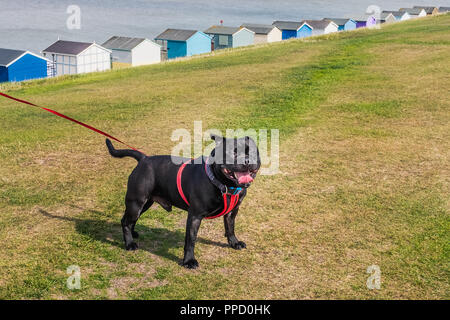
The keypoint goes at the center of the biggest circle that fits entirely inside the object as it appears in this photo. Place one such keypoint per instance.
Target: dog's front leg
(229, 230)
(192, 225)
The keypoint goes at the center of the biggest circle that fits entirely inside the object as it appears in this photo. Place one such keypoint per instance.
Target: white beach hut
(264, 33)
(135, 51)
(72, 57)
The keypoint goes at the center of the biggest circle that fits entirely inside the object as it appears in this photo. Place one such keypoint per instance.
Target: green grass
(363, 119)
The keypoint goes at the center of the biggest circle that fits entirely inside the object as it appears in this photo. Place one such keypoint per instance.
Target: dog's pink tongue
(243, 177)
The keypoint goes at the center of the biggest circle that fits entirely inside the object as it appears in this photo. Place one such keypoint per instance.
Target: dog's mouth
(242, 177)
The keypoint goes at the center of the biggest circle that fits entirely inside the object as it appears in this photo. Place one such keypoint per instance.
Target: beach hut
(230, 37)
(431, 11)
(320, 27)
(387, 17)
(264, 33)
(399, 15)
(293, 29)
(19, 65)
(368, 21)
(177, 43)
(71, 57)
(414, 12)
(135, 51)
(343, 24)
(444, 9)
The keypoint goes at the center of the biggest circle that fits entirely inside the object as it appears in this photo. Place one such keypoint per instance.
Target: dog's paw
(132, 246)
(238, 245)
(135, 234)
(191, 264)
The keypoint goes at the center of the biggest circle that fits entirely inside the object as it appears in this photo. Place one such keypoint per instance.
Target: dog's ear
(249, 139)
(218, 139)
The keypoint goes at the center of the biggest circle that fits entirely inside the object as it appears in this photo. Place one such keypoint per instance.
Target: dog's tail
(124, 152)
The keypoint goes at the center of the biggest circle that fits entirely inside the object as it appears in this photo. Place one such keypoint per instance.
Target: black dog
(205, 187)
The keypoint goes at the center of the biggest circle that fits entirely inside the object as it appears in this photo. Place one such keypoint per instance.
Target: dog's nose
(247, 161)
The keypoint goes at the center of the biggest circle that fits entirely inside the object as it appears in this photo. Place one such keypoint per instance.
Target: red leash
(68, 118)
(234, 198)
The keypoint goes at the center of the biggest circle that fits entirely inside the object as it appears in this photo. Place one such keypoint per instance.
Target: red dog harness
(230, 200)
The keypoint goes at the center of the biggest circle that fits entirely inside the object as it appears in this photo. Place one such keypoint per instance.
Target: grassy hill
(364, 155)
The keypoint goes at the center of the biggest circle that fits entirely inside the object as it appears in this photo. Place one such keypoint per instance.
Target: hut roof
(8, 55)
(429, 10)
(413, 11)
(68, 47)
(338, 21)
(395, 13)
(288, 25)
(384, 15)
(318, 24)
(122, 43)
(176, 34)
(222, 30)
(259, 28)
(363, 18)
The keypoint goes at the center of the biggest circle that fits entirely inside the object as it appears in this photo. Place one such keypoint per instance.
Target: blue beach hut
(19, 65)
(293, 29)
(177, 43)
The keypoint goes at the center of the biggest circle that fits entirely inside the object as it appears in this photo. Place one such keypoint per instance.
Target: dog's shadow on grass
(155, 240)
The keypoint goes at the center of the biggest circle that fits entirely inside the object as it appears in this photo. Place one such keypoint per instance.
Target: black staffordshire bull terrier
(207, 187)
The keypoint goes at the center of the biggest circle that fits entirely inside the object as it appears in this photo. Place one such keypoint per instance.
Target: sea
(35, 24)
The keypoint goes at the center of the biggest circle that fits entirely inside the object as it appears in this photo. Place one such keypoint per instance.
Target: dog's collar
(223, 188)
(230, 200)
